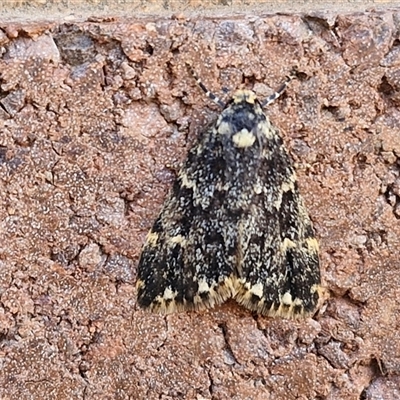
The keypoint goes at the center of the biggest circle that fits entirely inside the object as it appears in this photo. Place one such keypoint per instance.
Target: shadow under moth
(234, 224)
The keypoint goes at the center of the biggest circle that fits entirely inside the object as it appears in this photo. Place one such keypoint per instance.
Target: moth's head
(246, 96)
(242, 119)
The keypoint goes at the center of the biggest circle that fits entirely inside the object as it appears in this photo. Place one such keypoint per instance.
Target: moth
(234, 224)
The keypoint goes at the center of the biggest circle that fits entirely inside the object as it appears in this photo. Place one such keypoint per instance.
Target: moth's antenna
(280, 90)
(209, 94)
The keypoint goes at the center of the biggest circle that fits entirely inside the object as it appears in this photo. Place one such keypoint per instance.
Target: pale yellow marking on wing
(287, 299)
(204, 287)
(312, 244)
(288, 186)
(287, 307)
(323, 293)
(287, 244)
(186, 182)
(151, 239)
(244, 138)
(258, 188)
(266, 128)
(179, 239)
(218, 293)
(224, 128)
(257, 290)
(140, 284)
(169, 294)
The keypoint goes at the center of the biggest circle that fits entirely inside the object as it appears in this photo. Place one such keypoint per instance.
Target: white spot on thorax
(244, 138)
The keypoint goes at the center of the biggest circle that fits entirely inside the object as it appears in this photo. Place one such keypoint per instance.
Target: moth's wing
(184, 262)
(278, 273)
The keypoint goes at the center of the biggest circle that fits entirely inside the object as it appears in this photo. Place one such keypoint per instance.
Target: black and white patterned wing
(278, 274)
(184, 263)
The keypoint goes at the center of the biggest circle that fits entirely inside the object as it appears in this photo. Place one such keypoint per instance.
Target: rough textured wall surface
(95, 118)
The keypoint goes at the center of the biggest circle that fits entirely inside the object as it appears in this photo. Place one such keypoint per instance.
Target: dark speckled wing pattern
(233, 226)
